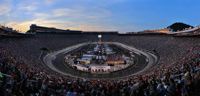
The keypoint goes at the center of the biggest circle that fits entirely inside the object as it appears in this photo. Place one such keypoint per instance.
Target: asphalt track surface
(144, 60)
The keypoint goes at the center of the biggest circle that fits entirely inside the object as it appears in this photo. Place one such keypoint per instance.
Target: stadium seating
(22, 72)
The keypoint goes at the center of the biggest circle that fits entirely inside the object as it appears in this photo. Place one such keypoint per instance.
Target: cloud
(77, 18)
(23, 26)
(67, 12)
(49, 2)
(82, 12)
(27, 6)
(42, 15)
(86, 18)
(5, 8)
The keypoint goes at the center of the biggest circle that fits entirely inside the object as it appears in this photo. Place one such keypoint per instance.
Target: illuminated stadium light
(99, 36)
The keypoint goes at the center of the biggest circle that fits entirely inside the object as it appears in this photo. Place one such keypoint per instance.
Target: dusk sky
(98, 15)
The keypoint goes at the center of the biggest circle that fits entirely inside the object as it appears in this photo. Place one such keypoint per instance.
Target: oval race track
(144, 60)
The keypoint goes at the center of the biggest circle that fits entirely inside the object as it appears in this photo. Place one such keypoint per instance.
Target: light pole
(100, 41)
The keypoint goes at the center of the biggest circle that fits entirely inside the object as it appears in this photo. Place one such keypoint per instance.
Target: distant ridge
(179, 26)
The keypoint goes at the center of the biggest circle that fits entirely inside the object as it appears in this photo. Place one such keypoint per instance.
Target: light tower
(100, 41)
(100, 50)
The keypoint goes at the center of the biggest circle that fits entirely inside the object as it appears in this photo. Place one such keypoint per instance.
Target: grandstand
(23, 71)
(188, 32)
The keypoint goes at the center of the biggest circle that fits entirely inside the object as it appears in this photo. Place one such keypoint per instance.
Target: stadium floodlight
(99, 36)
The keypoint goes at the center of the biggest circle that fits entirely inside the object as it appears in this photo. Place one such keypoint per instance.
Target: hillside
(178, 26)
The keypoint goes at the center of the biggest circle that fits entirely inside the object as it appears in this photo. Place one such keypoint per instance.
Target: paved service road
(144, 60)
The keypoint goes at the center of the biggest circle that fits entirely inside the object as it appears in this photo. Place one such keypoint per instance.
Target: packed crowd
(180, 78)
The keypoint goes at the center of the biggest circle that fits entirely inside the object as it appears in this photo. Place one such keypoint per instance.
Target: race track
(55, 61)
